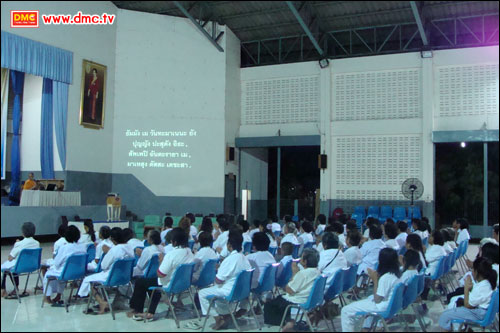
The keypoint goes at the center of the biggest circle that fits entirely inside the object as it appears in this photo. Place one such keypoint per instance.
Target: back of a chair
(492, 310)
(399, 213)
(360, 210)
(286, 274)
(336, 286)
(395, 303)
(402, 251)
(91, 252)
(247, 247)
(181, 279)
(98, 268)
(277, 233)
(350, 277)
(267, 280)
(438, 273)
(425, 242)
(120, 273)
(242, 285)
(385, 212)
(152, 267)
(421, 283)
(359, 219)
(410, 292)
(74, 268)
(152, 220)
(191, 244)
(374, 211)
(447, 263)
(273, 250)
(207, 274)
(29, 260)
(295, 253)
(309, 245)
(317, 293)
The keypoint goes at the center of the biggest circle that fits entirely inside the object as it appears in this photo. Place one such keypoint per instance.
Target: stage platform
(47, 219)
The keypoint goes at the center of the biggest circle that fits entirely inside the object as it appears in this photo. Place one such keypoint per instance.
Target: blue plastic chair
(191, 244)
(180, 283)
(295, 253)
(410, 294)
(314, 300)
(146, 244)
(359, 220)
(98, 268)
(152, 267)
(488, 319)
(425, 242)
(207, 274)
(350, 276)
(91, 252)
(273, 250)
(402, 251)
(74, 270)
(414, 212)
(135, 254)
(438, 276)
(360, 210)
(267, 281)
(284, 277)
(247, 247)
(240, 291)
(399, 214)
(374, 211)
(28, 261)
(334, 291)
(385, 213)
(277, 233)
(120, 274)
(395, 305)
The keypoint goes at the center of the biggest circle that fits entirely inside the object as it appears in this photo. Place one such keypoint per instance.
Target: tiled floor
(29, 316)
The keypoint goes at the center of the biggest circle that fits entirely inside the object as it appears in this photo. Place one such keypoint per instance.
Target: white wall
(169, 77)
(86, 149)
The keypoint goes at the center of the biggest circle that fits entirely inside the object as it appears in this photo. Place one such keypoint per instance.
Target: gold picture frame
(92, 95)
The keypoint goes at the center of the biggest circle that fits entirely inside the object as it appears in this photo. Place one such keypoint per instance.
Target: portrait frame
(93, 95)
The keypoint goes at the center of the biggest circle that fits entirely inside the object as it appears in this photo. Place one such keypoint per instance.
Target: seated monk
(30, 184)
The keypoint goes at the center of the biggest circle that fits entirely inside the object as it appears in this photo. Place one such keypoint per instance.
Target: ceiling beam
(419, 19)
(305, 26)
(198, 26)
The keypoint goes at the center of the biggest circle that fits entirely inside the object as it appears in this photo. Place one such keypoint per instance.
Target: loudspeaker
(229, 154)
(322, 161)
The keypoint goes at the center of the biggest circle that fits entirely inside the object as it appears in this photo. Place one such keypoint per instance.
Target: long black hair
(416, 244)
(388, 262)
(483, 267)
(88, 223)
(411, 258)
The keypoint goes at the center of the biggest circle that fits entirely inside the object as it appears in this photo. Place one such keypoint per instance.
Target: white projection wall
(169, 129)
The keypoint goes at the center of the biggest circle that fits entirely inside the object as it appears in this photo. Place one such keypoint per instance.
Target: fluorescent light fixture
(323, 63)
(426, 54)
(463, 144)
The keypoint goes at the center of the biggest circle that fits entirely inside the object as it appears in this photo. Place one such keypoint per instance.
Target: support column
(485, 189)
(428, 161)
(278, 179)
(326, 175)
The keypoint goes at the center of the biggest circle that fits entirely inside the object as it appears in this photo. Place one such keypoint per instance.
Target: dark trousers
(457, 292)
(4, 277)
(139, 296)
(274, 309)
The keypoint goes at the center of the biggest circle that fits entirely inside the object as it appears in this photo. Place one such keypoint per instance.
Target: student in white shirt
(305, 236)
(402, 233)
(353, 254)
(118, 251)
(224, 280)
(411, 266)
(495, 232)
(419, 228)
(132, 242)
(261, 258)
(204, 254)
(297, 290)
(221, 241)
(338, 229)
(180, 255)
(289, 231)
(461, 227)
(168, 222)
(370, 250)
(28, 231)
(104, 234)
(185, 224)
(384, 281)
(391, 232)
(286, 251)
(269, 233)
(246, 234)
(321, 224)
(61, 231)
(254, 227)
(414, 242)
(154, 239)
(275, 227)
(332, 258)
(447, 241)
(89, 235)
(477, 297)
(72, 247)
(435, 251)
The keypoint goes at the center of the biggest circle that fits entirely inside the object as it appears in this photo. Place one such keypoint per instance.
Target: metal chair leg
(107, 300)
(422, 324)
(169, 302)
(255, 317)
(208, 314)
(284, 315)
(70, 294)
(15, 286)
(309, 323)
(90, 297)
(37, 279)
(26, 284)
(45, 291)
(194, 305)
(386, 328)
(234, 319)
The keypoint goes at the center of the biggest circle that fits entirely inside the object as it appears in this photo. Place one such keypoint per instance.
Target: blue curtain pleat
(60, 107)
(46, 132)
(17, 79)
(28, 56)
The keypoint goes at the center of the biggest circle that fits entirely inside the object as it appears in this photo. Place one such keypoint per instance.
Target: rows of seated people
(385, 255)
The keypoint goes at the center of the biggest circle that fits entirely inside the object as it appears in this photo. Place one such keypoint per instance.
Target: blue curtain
(46, 132)
(60, 107)
(17, 79)
(31, 57)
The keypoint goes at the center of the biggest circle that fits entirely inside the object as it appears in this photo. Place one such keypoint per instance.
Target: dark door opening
(300, 178)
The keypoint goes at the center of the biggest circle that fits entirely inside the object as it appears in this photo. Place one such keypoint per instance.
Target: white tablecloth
(99, 224)
(50, 198)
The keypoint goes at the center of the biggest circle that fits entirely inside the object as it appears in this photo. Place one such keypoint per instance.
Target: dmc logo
(24, 18)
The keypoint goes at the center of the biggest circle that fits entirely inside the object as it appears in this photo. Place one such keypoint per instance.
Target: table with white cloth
(50, 198)
(98, 224)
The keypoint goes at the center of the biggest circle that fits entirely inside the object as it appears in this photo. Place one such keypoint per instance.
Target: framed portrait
(93, 95)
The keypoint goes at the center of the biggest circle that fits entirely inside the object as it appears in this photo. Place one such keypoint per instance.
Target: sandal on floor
(89, 311)
(137, 317)
(11, 295)
(192, 325)
(58, 304)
